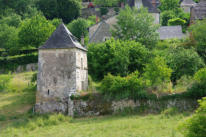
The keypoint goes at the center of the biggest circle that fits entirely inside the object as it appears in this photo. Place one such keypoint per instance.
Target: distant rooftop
(62, 38)
(188, 2)
(170, 32)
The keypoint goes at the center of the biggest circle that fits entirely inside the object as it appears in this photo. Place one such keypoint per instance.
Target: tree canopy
(136, 24)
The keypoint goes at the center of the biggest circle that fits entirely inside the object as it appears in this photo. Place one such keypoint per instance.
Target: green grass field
(17, 120)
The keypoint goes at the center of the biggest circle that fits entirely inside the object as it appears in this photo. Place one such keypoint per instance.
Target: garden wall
(96, 107)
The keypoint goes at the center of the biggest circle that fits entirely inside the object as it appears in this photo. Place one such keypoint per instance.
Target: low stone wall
(97, 107)
(23, 68)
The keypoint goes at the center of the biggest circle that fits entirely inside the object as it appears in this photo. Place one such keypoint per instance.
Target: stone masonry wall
(96, 107)
(56, 79)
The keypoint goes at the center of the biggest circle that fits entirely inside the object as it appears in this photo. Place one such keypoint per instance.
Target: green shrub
(198, 31)
(165, 16)
(195, 126)
(176, 21)
(157, 72)
(4, 80)
(119, 58)
(130, 87)
(104, 10)
(182, 62)
(200, 76)
(198, 88)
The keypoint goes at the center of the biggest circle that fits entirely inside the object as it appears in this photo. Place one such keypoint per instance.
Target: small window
(48, 92)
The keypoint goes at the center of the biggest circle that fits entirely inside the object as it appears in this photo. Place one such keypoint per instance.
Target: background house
(187, 4)
(198, 11)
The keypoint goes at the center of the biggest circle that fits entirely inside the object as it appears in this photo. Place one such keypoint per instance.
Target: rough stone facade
(100, 107)
(62, 72)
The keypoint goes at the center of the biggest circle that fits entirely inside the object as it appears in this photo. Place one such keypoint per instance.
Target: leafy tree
(116, 57)
(198, 32)
(157, 72)
(12, 20)
(33, 32)
(19, 6)
(169, 5)
(183, 62)
(67, 10)
(79, 27)
(136, 24)
(8, 37)
(165, 16)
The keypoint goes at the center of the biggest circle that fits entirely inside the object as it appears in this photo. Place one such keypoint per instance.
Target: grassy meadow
(17, 119)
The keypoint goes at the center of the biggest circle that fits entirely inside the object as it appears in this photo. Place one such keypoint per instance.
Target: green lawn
(17, 120)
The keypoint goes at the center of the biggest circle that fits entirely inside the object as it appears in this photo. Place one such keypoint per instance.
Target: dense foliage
(136, 24)
(198, 32)
(195, 126)
(116, 57)
(67, 10)
(117, 87)
(79, 27)
(33, 32)
(198, 89)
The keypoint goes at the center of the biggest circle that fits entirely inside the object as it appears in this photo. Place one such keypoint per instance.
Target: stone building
(62, 71)
(187, 4)
(101, 31)
(198, 12)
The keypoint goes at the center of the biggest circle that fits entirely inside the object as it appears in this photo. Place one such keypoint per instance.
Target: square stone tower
(62, 71)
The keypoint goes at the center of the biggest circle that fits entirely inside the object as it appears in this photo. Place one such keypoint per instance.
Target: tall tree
(67, 10)
(136, 24)
(35, 31)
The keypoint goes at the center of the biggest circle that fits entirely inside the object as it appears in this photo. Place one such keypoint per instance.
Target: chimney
(82, 40)
(154, 3)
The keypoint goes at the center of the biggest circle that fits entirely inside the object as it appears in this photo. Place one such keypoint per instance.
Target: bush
(198, 88)
(198, 31)
(157, 72)
(130, 87)
(116, 57)
(4, 80)
(176, 21)
(165, 16)
(104, 10)
(195, 126)
(183, 62)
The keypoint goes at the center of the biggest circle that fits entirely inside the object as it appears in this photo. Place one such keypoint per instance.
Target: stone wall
(61, 73)
(98, 107)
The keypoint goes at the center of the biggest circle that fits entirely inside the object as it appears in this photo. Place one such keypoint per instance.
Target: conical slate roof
(62, 38)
